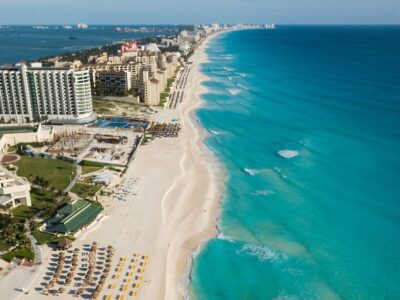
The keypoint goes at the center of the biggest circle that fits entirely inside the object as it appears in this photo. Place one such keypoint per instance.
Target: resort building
(150, 90)
(34, 94)
(14, 190)
(121, 80)
(74, 216)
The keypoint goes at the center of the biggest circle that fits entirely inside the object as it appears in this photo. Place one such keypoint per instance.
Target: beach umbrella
(61, 290)
(95, 295)
(80, 291)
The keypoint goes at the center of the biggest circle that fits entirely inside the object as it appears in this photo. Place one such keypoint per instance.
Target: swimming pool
(121, 122)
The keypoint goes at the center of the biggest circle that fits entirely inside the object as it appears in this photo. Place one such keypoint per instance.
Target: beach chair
(133, 293)
(107, 297)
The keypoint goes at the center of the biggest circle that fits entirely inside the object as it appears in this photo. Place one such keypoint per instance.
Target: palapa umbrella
(58, 273)
(95, 295)
(61, 290)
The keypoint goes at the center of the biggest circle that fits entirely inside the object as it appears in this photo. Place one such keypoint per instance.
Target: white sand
(175, 208)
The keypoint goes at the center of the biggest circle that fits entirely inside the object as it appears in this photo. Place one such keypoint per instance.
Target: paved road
(73, 182)
(35, 245)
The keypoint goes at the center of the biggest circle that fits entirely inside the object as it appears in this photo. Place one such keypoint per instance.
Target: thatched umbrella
(61, 290)
(76, 250)
(95, 295)
(58, 273)
(80, 291)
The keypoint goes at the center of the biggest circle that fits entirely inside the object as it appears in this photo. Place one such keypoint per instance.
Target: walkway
(73, 182)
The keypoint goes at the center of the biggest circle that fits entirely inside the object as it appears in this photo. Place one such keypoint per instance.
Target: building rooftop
(9, 179)
(73, 216)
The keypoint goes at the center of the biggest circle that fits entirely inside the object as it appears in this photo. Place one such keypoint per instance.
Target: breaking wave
(234, 92)
(262, 193)
(288, 153)
(262, 253)
(254, 172)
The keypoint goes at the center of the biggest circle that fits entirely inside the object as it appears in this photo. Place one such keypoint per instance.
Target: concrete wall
(11, 139)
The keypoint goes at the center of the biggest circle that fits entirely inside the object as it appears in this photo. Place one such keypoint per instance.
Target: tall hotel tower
(34, 94)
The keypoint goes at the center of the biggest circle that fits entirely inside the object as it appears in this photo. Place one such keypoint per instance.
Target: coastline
(176, 206)
(206, 226)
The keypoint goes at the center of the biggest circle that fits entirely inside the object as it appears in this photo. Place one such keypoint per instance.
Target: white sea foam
(286, 297)
(234, 92)
(288, 153)
(228, 56)
(230, 78)
(241, 74)
(228, 69)
(216, 132)
(241, 86)
(262, 193)
(223, 237)
(254, 172)
(263, 253)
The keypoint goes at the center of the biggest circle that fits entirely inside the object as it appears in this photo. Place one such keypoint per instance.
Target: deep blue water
(324, 224)
(26, 43)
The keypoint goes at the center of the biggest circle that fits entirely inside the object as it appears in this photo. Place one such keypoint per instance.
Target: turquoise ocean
(306, 124)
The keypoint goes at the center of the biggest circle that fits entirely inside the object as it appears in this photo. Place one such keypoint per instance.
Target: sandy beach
(173, 210)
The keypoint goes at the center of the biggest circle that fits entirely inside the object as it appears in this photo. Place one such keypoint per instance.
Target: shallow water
(306, 121)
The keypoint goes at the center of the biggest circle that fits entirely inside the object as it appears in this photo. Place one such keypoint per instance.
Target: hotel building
(113, 80)
(14, 190)
(34, 94)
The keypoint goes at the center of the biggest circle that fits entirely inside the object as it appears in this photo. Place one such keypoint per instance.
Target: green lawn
(102, 106)
(85, 190)
(59, 173)
(90, 169)
(41, 199)
(44, 238)
(3, 246)
(19, 253)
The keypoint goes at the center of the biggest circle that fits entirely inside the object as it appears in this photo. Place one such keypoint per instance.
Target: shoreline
(211, 210)
(174, 211)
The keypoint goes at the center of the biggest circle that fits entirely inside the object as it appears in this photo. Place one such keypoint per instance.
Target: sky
(200, 11)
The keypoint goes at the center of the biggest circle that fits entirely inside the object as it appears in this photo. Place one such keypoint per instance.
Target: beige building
(149, 91)
(14, 190)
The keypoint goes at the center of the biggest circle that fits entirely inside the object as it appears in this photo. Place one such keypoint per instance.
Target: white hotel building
(14, 190)
(33, 94)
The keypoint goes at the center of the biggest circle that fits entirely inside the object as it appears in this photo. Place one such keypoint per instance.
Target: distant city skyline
(47, 12)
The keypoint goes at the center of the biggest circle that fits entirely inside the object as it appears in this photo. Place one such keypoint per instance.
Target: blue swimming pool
(121, 122)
